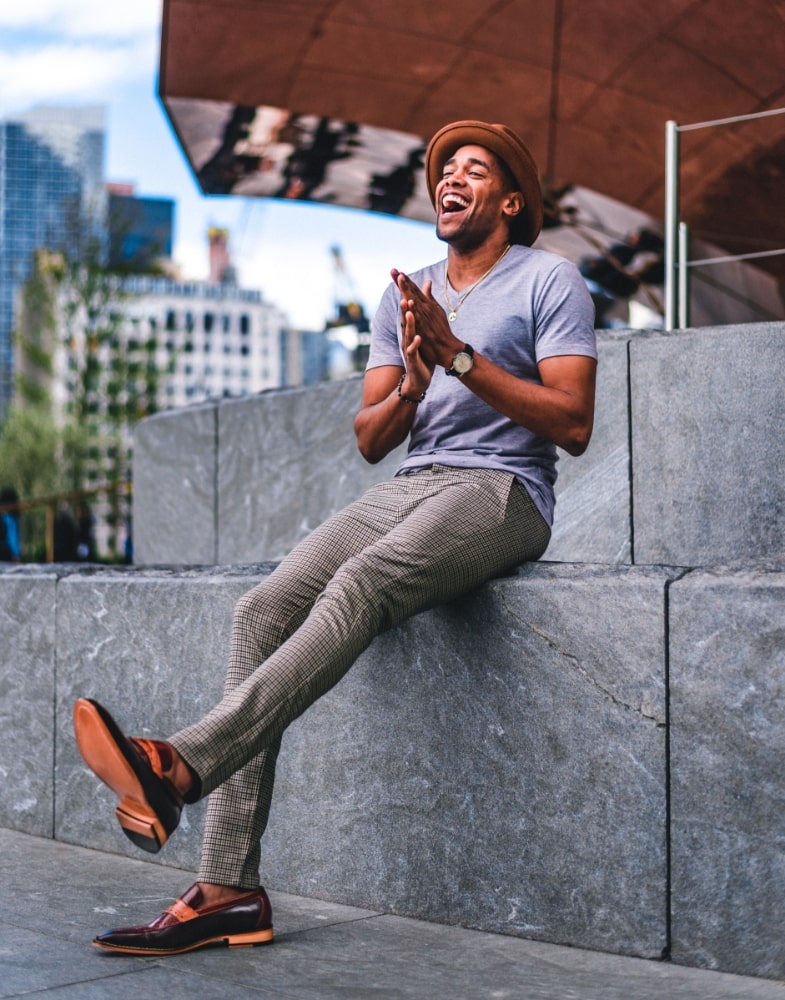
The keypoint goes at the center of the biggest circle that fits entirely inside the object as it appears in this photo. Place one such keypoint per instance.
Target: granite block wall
(497, 763)
(727, 682)
(593, 521)
(174, 506)
(540, 732)
(152, 647)
(684, 467)
(286, 461)
(707, 449)
(507, 762)
(27, 681)
(240, 481)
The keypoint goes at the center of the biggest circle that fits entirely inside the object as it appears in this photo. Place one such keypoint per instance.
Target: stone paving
(57, 896)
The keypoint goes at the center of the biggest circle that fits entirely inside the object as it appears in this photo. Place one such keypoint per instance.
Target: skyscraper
(140, 229)
(51, 194)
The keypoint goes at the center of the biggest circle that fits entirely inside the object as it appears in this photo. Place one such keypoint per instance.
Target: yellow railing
(52, 502)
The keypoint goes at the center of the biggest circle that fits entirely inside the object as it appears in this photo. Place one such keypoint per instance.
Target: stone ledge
(27, 679)
(498, 763)
(684, 466)
(727, 683)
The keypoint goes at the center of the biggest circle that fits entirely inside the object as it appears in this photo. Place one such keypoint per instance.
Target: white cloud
(79, 71)
(82, 18)
(54, 51)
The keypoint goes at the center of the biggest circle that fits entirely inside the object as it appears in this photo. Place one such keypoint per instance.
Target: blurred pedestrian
(10, 536)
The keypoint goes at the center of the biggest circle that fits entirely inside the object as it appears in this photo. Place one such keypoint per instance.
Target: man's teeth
(454, 202)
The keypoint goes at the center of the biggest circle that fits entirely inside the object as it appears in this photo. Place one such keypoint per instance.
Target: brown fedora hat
(511, 149)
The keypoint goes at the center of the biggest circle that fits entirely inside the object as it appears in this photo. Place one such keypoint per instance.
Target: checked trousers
(411, 543)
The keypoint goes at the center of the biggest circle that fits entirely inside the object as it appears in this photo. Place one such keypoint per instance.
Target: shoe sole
(101, 744)
(247, 940)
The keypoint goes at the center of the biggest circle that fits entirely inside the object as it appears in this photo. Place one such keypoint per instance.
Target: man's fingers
(414, 346)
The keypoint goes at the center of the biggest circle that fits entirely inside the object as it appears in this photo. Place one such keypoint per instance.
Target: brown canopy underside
(589, 84)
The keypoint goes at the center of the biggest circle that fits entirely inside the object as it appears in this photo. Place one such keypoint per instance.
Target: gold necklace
(452, 315)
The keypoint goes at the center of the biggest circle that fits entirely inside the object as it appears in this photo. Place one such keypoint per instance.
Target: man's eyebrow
(472, 159)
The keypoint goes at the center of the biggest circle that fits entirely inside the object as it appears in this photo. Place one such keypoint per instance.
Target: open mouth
(453, 202)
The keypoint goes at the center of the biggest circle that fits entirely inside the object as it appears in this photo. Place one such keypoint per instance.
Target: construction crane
(348, 308)
(349, 323)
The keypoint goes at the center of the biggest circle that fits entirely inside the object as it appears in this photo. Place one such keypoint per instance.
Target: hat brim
(511, 149)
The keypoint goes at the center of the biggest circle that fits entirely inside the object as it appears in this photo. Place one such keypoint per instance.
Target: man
(472, 499)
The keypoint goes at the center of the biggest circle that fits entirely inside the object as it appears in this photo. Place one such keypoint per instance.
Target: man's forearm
(561, 412)
(382, 425)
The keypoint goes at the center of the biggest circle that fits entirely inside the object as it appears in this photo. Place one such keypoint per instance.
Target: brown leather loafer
(243, 921)
(150, 805)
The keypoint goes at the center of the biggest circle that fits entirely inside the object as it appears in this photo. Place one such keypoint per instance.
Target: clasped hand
(427, 338)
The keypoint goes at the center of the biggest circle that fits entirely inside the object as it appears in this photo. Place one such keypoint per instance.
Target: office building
(140, 230)
(51, 196)
(208, 340)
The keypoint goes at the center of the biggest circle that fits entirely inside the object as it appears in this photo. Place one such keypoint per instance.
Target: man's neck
(464, 267)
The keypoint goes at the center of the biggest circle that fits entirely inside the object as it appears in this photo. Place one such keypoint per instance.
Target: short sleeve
(385, 332)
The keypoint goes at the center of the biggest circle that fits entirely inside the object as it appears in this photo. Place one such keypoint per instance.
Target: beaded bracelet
(406, 399)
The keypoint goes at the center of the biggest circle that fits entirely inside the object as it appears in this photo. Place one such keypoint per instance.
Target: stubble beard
(462, 238)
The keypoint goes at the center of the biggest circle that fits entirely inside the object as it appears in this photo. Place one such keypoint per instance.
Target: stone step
(580, 754)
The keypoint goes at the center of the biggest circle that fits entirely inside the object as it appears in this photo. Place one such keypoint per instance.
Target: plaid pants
(408, 544)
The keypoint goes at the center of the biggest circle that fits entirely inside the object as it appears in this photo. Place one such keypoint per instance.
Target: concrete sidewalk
(55, 898)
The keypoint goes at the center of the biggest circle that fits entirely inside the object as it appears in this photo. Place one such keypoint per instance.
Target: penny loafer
(187, 924)
(150, 806)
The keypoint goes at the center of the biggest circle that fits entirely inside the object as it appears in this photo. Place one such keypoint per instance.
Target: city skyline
(84, 52)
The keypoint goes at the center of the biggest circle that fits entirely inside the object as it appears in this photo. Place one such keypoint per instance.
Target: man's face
(473, 198)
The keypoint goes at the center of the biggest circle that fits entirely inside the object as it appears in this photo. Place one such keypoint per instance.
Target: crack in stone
(613, 698)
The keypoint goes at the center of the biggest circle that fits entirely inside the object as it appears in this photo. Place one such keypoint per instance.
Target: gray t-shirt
(533, 305)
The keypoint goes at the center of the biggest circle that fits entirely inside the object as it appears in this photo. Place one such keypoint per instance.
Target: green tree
(100, 361)
(29, 446)
(74, 308)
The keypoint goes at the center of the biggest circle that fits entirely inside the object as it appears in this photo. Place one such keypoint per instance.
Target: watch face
(462, 363)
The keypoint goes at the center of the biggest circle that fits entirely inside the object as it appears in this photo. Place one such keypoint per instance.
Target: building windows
(240, 322)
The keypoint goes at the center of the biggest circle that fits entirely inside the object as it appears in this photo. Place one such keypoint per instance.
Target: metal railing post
(671, 223)
(50, 531)
(684, 276)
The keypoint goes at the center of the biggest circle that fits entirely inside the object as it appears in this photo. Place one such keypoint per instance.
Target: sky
(75, 52)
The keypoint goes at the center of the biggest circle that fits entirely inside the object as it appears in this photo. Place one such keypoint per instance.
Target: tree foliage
(76, 336)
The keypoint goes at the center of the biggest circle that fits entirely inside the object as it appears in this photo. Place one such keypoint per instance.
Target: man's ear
(514, 204)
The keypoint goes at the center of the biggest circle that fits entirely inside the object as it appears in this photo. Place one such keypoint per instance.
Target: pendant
(453, 316)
